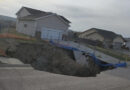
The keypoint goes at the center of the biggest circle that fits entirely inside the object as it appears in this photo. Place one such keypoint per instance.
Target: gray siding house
(128, 42)
(41, 24)
(108, 38)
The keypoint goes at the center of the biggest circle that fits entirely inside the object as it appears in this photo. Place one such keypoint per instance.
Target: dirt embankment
(43, 56)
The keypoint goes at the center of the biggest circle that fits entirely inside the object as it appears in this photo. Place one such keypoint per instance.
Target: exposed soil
(45, 57)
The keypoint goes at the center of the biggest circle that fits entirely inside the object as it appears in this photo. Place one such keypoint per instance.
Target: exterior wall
(118, 40)
(52, 22)
(128, 43)
(23, 13)
(29, 30)
(95, 36)
(117, 45)
(107, 43)
(86, 33)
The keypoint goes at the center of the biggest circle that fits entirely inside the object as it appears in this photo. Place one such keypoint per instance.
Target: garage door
(51, 34)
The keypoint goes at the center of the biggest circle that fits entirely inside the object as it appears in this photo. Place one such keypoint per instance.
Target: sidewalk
(98, 54)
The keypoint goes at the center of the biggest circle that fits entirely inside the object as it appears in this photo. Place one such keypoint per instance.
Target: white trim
(50, 32)
(52, 15)
(53, 29)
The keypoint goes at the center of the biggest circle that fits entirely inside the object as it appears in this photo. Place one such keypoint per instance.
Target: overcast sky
(113, 15)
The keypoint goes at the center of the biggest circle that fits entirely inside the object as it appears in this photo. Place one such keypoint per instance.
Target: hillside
(6, 22)
(127, 39)
(7, 18)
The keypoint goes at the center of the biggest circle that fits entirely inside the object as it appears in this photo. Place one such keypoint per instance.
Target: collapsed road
(30, 79)
(78, 51)
(47, 57)
(26, 78)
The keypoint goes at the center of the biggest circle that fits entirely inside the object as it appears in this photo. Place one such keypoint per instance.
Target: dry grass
(14, 36)
(120, 56)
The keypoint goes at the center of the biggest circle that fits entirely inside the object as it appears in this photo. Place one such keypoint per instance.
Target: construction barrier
(13, 36)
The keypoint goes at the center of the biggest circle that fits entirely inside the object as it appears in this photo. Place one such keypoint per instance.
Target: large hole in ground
(45, 57)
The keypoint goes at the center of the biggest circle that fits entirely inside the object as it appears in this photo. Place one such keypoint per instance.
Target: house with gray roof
(128, 42)
(108, 38)
(41, 24)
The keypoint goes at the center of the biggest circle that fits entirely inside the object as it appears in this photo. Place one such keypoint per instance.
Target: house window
(25, 25)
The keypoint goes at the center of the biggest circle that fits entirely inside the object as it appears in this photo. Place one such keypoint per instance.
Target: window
(25, 25)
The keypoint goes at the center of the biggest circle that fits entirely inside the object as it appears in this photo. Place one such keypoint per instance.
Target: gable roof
(38, 13)
(106, 34)
(109, 35)
(34, 11)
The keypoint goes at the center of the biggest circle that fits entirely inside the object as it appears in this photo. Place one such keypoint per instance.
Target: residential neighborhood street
(64, 45)
(29, 79)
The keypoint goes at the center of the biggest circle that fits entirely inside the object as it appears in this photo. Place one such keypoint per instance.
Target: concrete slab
(81, 59)
(99, 55)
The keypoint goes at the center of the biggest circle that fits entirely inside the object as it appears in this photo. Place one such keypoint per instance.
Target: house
(128, 42)
(41, 24)
(108, 38)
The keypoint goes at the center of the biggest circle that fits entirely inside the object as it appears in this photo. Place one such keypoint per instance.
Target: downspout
(35, 28)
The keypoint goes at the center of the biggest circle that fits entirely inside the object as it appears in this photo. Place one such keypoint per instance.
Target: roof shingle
(38, 13)
(109, 35)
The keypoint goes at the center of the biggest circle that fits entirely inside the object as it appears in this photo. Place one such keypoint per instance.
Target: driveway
(120, 72)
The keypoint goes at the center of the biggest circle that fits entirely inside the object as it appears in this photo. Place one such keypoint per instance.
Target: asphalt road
(14, 75)
(29, 79)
